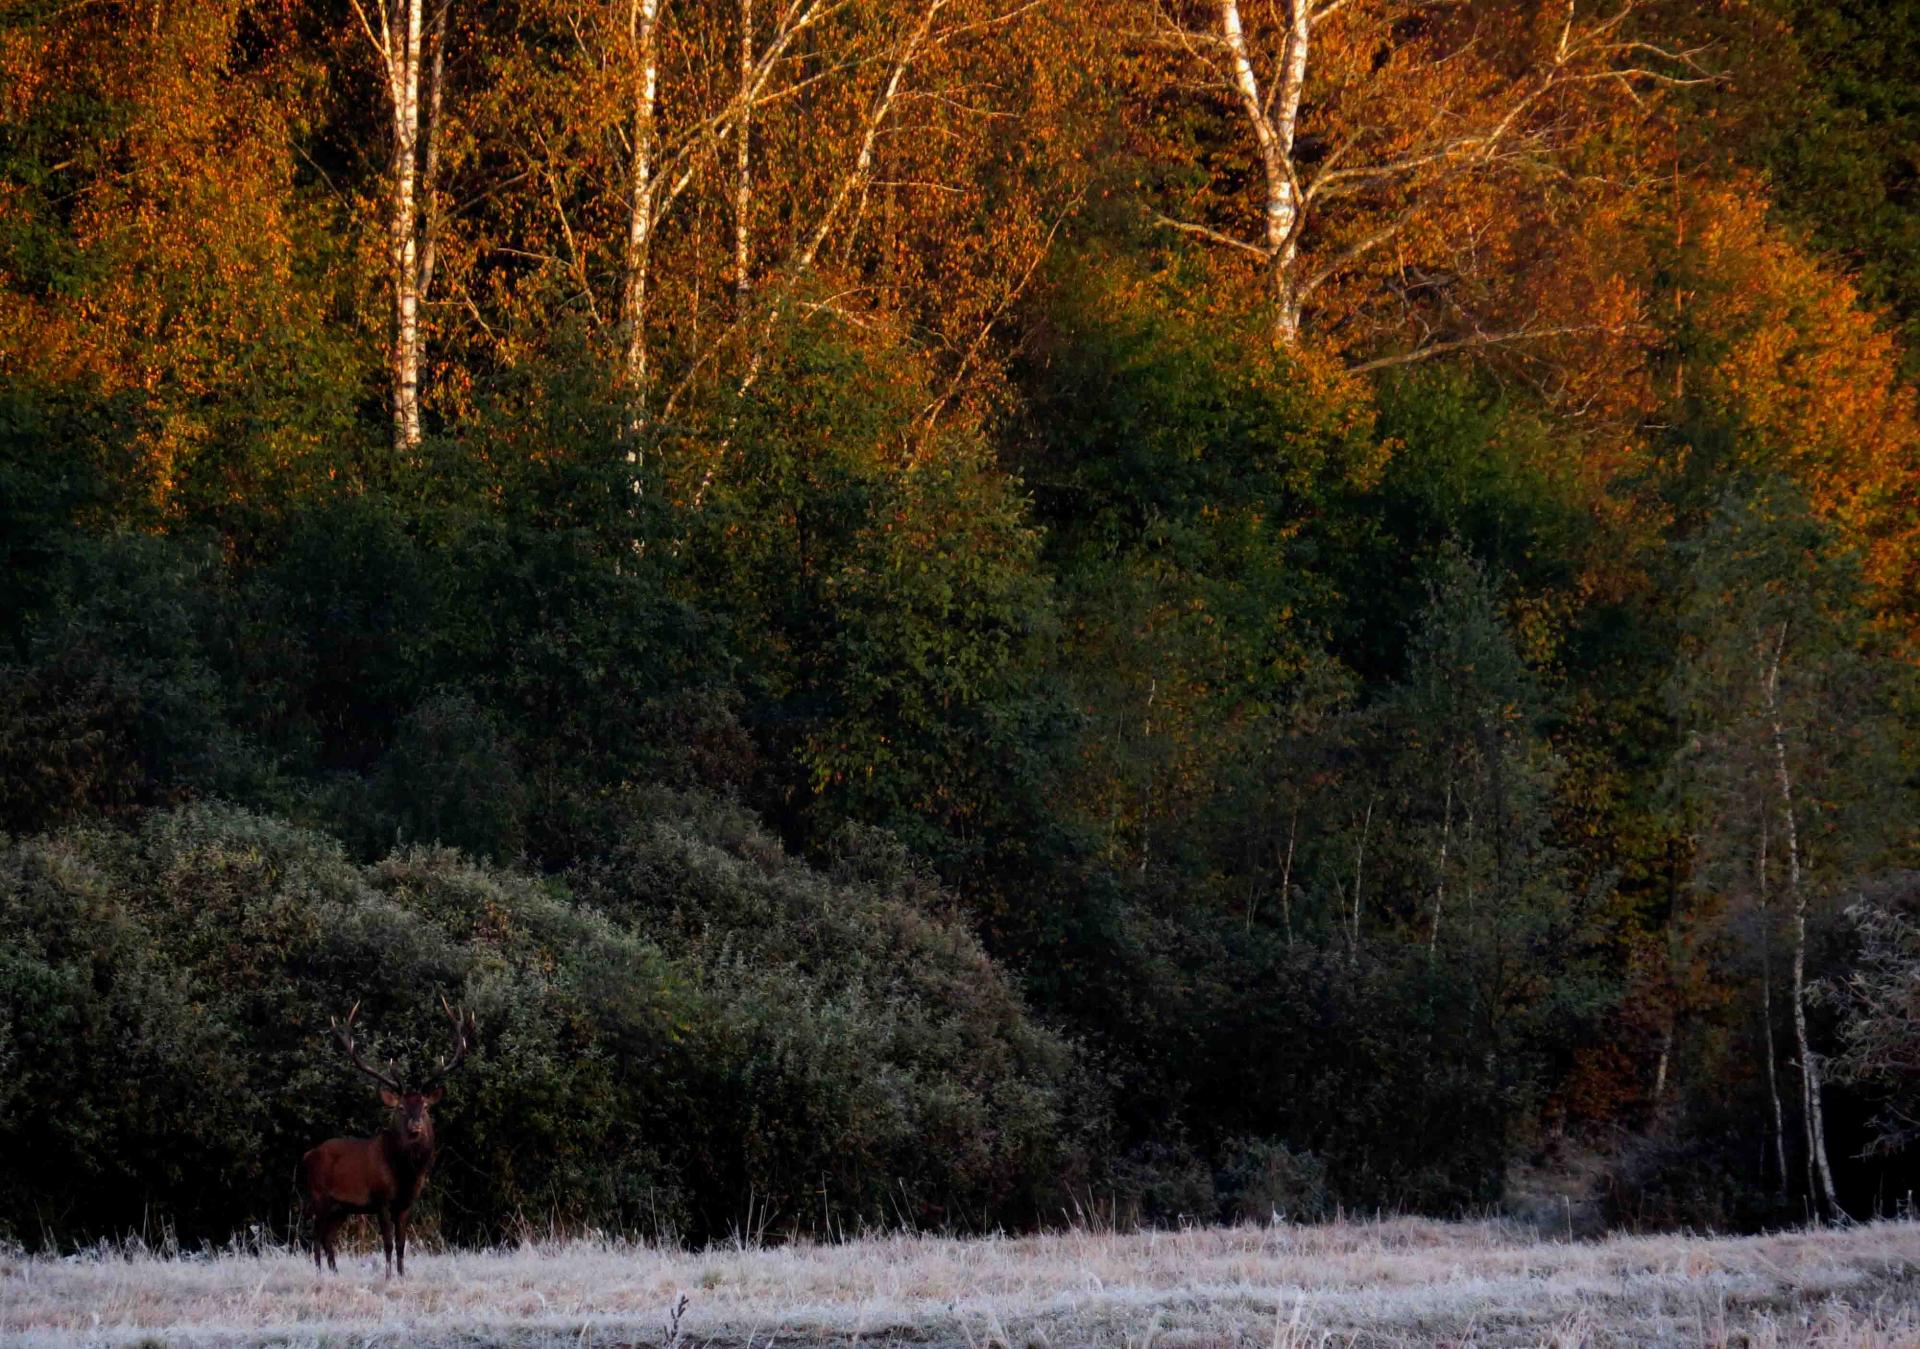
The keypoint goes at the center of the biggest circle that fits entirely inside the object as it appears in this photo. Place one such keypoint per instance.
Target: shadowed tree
(1785, 751)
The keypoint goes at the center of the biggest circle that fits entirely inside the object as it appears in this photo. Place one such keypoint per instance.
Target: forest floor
(1391, 1282)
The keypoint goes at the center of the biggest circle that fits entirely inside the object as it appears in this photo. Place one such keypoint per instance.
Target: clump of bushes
(695, 1023)
(1264, 1179)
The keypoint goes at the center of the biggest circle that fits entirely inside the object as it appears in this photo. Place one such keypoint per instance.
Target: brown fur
(385, 1174)
(382, 1175)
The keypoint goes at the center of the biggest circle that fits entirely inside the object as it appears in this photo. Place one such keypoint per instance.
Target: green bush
(1263, 1177)
(116, 701)
(718, 1026)
(860, 1037)
(450, 779)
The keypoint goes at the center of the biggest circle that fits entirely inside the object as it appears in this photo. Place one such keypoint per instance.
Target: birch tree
(743, 158)
(643, 22)
(411, 41)
(694, 86)
(1375, 125)
(1780, 702)
(1820, 1177)
(710, 172)
(1769, 1054)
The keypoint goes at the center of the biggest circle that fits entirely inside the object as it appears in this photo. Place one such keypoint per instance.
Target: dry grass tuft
(1393, 1282)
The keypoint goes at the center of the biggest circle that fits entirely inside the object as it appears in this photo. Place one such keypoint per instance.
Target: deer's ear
(433, 1097)
(389, 1097)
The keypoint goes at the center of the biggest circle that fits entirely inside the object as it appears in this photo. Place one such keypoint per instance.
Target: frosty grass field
(1391, 1282)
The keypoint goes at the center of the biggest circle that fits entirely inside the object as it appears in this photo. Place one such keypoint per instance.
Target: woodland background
(961, 612)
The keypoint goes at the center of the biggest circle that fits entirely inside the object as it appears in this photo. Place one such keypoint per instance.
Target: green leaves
(710, 1017)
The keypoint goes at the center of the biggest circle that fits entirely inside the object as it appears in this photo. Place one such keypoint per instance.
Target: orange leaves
(177, 206)
(1814, 380)
(1438, 162)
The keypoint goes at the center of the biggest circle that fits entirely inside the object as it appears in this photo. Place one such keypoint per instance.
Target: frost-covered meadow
(1392, 1282)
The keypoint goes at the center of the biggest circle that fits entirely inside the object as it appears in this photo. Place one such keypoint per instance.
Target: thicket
(699, 1034)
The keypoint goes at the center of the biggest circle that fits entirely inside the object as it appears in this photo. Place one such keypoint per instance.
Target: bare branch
(1348, 256)
(380, 41)
(1428, 352)
(1210, 235)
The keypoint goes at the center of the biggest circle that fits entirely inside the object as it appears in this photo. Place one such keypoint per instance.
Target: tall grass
(1397, 1281)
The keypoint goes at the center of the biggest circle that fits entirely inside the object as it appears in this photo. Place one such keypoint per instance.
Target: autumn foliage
(1309, 562)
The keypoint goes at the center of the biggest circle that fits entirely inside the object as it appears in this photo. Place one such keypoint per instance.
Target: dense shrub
(862, 1040)
(451, 779)
(117, 700)
(1689, 1171)
(1264, 1179)
(730, 1027)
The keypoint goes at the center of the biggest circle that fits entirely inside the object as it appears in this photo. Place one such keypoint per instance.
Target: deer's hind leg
(315, 1215)
(313, 1232)
(325, 1225)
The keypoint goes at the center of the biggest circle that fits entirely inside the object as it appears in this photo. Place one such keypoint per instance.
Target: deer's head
(412, 1106)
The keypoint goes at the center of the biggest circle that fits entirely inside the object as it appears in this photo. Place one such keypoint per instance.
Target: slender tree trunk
(1285, 203)
(403, 44)
(1669, 1031)
(1766, 1011)
(856, 178)
(1146, 794)
(1820, 1173)
(1440, 883)
(413, 55)
(1286, 876)
(1286, 882)
(800, 263)
(1359, 870)
(1274, 126)
(743, 161)
(642, 32)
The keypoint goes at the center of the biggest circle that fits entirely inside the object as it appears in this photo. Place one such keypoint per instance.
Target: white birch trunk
(1440, 883)
(1820, 1173)
(800, 263)
(743, 161)
(1286, 876)
(1590, 50)
(1766, 1012)
(1360, 870)
(413, 56)
(882, 107)
(404, 77)
(1273, 133)
(642, 33)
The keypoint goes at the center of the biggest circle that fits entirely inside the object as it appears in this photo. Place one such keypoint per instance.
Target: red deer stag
(385, 1174)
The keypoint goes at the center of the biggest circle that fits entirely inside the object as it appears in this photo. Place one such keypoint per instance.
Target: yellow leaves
(1814, 378)
(181, 223)
(1540, 624)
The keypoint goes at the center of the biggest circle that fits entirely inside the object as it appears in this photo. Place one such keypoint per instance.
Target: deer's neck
(409, 1157)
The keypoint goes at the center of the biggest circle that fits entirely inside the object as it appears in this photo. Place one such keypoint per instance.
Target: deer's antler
(343, 1032)
(465, 1031)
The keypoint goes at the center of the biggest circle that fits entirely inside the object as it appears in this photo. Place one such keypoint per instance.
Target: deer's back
(348, 1173)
